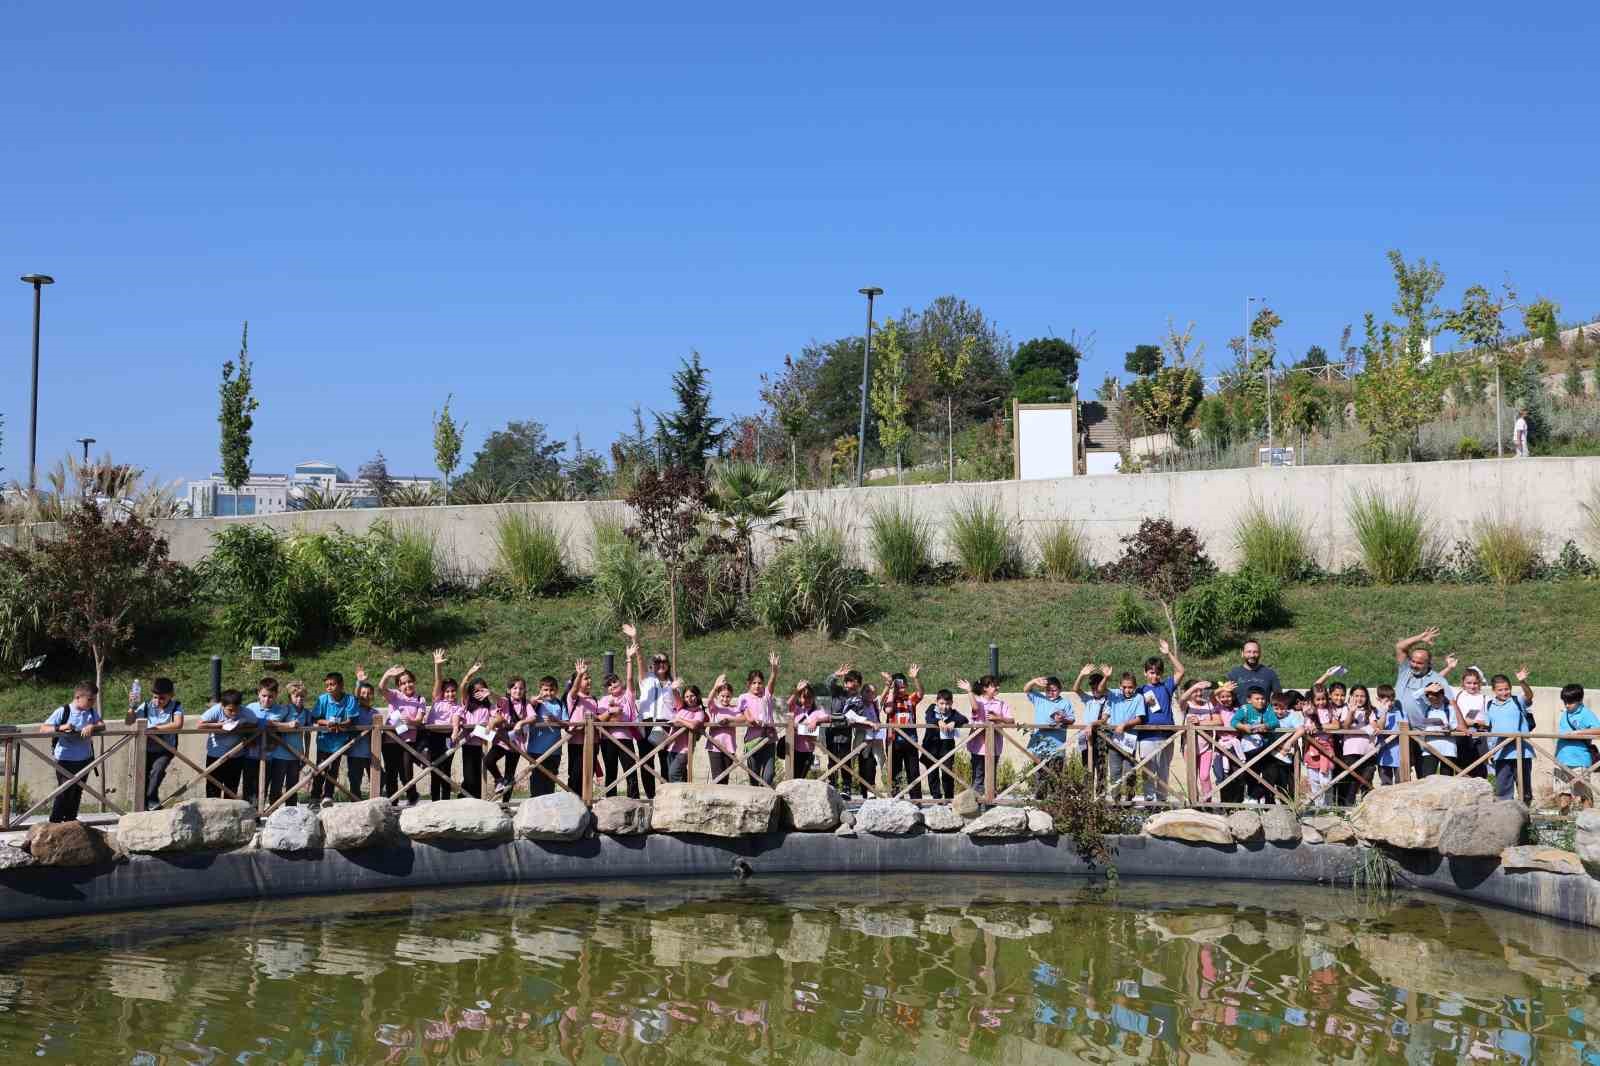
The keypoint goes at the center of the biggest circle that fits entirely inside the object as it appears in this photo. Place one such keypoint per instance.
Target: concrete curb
(176, 880)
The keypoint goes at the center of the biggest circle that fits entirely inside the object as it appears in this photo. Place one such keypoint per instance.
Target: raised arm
(1177, 667)
(1037, 682)
(631, 656)
(383, 682)
(630, 633)
(912, 671)
(1403, 646)
(438, 674)
(773, 663)
(1527, 690)
(579, 670)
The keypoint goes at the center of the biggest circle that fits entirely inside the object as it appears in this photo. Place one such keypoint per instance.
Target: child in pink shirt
(760, 739)
(807, 718)
(408, 709)
(581, 707)
(478, 711)
(442, 727)
(987, 706)
(725, 721)
(689, 718)
(619, 749)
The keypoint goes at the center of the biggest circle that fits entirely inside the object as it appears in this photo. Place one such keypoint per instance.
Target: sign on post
(264, 653)
(1275, 456)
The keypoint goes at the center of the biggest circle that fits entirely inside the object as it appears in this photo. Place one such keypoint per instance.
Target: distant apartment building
(277, 493)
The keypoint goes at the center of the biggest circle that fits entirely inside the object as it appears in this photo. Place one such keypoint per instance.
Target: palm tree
(746, 499)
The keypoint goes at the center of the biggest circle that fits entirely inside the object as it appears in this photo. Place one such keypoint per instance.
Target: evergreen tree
(235, 415)
(690, 433)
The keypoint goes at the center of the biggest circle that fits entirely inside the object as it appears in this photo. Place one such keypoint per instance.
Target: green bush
(807, 585)
(1130, 615)
(1395, 536)
(1505, 549)
(1470, 448)
(22, 620)
(265, 592)
(900, 540)
(631, 584)
(1246, 602)
(530, 554)
(1198, 621)
(1064, 552)
(985, 541)
(1272, 541)
(382, 583)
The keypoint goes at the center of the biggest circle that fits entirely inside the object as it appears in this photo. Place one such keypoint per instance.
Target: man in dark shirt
(1252, 674)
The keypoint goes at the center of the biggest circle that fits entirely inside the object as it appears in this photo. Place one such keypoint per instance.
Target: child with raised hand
(1155, 747)
(407, 711)
(1318, 756)
(846, 699)
(475, 732)
(511, 714)
(1469, 702)
(1508, 715)
(545, 736)
(1356, 714)
(1575, 751)
(987, 707)
(721, 742)
(760, 738)
(581, 707)
(1125, 708)
(691, 716)
(943, 721)
(808, 718)
(229, 722)
(657, 702)
(900, 703)
(619, 751)
(442, 728)
(1200, 710)
(1052, 713)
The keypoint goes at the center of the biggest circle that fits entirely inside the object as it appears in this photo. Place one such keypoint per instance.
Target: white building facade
(277, 493)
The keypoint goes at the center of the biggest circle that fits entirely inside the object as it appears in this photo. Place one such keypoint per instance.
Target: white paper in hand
(230, 724)
(484, 733)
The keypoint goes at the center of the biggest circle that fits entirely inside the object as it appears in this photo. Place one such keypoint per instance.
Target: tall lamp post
(871, 292)
(38, 281)
(84, 477)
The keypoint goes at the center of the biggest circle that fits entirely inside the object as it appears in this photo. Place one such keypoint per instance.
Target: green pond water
(806, 970)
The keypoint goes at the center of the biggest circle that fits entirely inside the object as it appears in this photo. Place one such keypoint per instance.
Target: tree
(1052, 353)
(690, 434)
(1542, 320)
(235, 415)
(96, 579)
(1042, 384)
(1144, 360)
(951, 325)
(446, 443)
(1216, 422)
(668, 506)
(1396, 393)
(1480, 321)
(1109, 389)
(948, 370)
(1316, 358)
(888, 395)
(585, 473)
(516, 458)
(1306, 406)
(1163, 561)
(745, 500)
(1173, 389)
(786, 396)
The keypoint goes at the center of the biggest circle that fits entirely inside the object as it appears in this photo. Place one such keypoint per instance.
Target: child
(1252, 723)
(807, 717)
(1155, 747)
(1356, 714)
(1125, 708)
(725, 718)
(1052, 713)
(1388, 712)
(1200, 711)
(844, 692)
(619, 748)
(1439, 748)
(358, 760)
(408, 711)
(657, 703)
(1468, 703)
(1290, 707)
(581, 707)
(252, 765)
(162, 713)
(987, 708)
(477, 716)
(229, 723)
(335, 715)
(508, 722)
(1318, 757)
(900, 703)
(442, 728)
(283, 752)
(1508, 715)
(690, 716)
(939, 740)
(545, 737)
(1575, 752)
(1227, 784)
(760, 739)
(73, 724)
(1091, 688)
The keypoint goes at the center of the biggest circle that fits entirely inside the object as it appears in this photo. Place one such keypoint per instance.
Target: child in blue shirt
(73, 724)
(338, 716)
(230, 726)
(1575, 752)
(1052, 713)
(1124, 709)
(1388, 714)
(284, 743)
(540, 739)
(162, 713)
(1506, 715)
(1253, 722)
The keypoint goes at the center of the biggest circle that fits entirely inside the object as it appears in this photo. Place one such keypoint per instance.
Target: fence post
(994, 661)
(1405, 750)
(1191, 763)
(608, 662)
(261, 773)
(374, 771)
(588, 762)
(789, 758)
(10, 783)
(138, 764)
(989, 762)
(314, 749)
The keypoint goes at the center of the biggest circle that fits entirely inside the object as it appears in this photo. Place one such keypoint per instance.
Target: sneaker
(327, 803)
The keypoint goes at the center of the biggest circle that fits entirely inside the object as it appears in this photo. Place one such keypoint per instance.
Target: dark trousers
(1388, 775)
(762, 762)
(398, 768)
(1505, 779)
(1350, 790)
(837, 741)
(663, 760)
(502, 764)
(620, 759)
(721, 764)
(867, 767)
(941, 783)
(980, 772)
(903, 762)
(1432, 764)
(65, 807)
(282, 775)
(543, 764)
(472, 771)
(355, 770)
(156, 762)
(1280, 775)
(249, 778)
(222, 775)
(575, 769)
(678, 766)
(803, 761)
(443, 760)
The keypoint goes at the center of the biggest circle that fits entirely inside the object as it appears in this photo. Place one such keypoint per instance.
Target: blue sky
(541, 212)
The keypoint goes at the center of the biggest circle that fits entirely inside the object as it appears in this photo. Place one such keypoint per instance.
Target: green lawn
(1040, 627)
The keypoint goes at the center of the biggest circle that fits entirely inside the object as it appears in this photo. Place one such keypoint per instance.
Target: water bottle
(134, 693)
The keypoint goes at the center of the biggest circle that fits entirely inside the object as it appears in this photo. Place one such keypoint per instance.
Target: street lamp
(871, 292)
(38, 281)
(1262, 300)
(86, 441)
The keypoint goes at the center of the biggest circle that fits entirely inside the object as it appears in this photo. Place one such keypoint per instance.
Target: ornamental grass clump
(1273, 541)
(900, 541)
(530, 554)
(1394, 536)
(985, 541)
(1507, 551)
(1064, 552)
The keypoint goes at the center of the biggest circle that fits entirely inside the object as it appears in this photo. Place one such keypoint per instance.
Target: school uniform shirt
(655, 699)
(1509, 715)
(471, 720)
(1390, 753)
(288, 743)
(1575, 752)
(807, 720)
(541, 738)
(941, 726)
(759, 708)
(71, 745)
(220, 743)
(1358, 745)
(1286, 723)
(1438, 719)
(443, 714)
(1248, 716)
(1161, 713)
(406, 714)
(341, 710)
(154, 714)
(1319, 746)
(1472, 704)
(696, 717)
(722, 736)
(983, 710)
(584, 708)
(515, 737)
(623, 708)
(1047, 743)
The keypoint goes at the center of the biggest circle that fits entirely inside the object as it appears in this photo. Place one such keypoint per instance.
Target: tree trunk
(672, 612)
(1172, 626)
(794, 464)
(950, 430)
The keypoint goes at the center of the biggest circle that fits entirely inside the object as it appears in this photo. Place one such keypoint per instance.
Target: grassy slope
(1040, 627)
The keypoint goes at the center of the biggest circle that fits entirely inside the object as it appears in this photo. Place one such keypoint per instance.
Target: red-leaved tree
(668, 508)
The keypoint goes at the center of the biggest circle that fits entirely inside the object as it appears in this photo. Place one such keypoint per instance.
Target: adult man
(1252, 674)
(1416, 673)
(1519, 433)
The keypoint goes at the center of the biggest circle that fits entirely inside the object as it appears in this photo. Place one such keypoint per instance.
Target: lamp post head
(870, 291)
(38, 279)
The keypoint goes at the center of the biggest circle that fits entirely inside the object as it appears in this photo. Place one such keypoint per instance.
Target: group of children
(1341, 737)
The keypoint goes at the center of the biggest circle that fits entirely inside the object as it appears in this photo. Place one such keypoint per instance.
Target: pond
(806, 970)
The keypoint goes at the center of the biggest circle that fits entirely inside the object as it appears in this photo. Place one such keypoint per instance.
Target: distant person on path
(1251, 674)
(1519, 433)
(73, 725)
(162, 713)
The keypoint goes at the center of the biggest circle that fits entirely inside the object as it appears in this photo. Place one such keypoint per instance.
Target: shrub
(900, 539)
(1272, 540)
(1198, 621)
(985, 541)
(1064, 552)
(262, 591)
(1247, 602)
(1506, 550)
(381, 582)
(1470, 448)
(1082, 813)
(808, 586)
(1163, 561)
(531, 554)
(631, 584)
(22, 618)
(1394, 536)
(1129, 615)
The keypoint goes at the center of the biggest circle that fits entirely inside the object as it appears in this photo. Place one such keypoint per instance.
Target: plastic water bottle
(134, 693)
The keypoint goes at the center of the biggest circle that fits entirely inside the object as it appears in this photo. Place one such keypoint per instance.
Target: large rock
(1245, 825)
(1279, 825)
(622, 816)
(887, 817)
(224, 823)
(1330, 828)
(66, 844)
(1310, 834)
(292, 829)
(941, 818)
(1587, 841)
(1040, 824)
(1483, 830)
(999, 823)
(348, 826)
(557, 816)
(458, 819)
(714, 810)
(152, 832)
(1410, 814)
(1192, 827)
(810, 806)
(966, 803)
(1539, 857)
(845, 830)
(11, 858)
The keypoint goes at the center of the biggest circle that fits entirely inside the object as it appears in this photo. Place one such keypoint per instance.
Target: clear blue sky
(543, 213)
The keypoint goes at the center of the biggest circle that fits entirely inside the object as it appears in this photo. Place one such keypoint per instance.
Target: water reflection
(777, 971)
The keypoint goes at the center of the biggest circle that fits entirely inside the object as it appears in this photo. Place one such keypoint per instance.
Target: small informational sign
(265, 653)
(1275, 456)
(33, 664)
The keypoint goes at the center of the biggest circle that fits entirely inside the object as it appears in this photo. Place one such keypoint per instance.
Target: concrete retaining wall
(1540, 491)
(148, 881)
